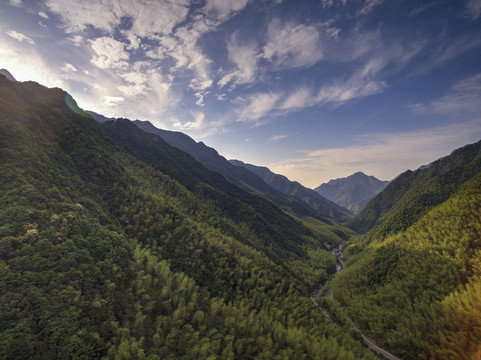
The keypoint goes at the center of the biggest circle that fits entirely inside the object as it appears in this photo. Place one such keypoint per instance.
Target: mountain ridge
(292, 188)
(436, 182)
(352, 192)
(7, 74)
(250, 181)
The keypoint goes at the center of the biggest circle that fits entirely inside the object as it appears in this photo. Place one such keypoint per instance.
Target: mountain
(98, 117)
(114, 244)
(413, 193)
(245, 178)
(293, 188)
(7, 74)
(352, 192)
(417, 292)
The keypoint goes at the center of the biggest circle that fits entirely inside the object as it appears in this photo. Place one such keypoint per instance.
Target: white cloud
(298, 99)
(369, 5)
(16, 2)
(257, 106)
(292, 46)
(244, 56)
(43, 14)
(473, 8)
(148, 16)
(109, 52)
(422, 8)
(69, 67)
(366, 6)
(362, 83)
(76, 40)
(197, 124)
(382, 155)
(464, 97)
(32, 67)
(136, 83)
(223, 9)
(20, 37)
(278, 137)
(113, 100)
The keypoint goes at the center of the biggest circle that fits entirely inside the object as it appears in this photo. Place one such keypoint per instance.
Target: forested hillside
(418, 292)
(115, 245)
(292, 200)
(412, 194)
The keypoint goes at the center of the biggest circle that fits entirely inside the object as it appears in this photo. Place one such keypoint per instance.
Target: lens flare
(72, 105)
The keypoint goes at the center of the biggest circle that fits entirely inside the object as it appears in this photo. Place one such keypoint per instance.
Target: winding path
(369, 343)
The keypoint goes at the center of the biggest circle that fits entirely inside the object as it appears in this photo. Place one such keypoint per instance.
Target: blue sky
(313, 89)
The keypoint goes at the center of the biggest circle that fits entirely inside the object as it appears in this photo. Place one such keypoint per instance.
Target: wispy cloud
(365, 7)
(32, 66)
(464, 97)
(244, 56)
(278, 137)
(298, 99)
(148, 17)
(382, 155)
(257, 106)
(292, 45)
(362, 83)
(473, 8)
(223, 9)
(113, 100)
(20, 37)
(109, 53)
(421, 8)
(69, 68)
(197, 124)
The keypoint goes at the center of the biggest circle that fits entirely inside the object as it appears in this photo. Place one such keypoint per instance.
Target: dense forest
(115, 245)
(417, 290)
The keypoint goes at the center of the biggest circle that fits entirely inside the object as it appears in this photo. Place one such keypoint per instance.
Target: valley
(117, 244)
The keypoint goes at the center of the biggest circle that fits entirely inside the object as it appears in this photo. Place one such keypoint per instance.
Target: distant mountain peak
(293, 188)
(352, 192)
(7, 74)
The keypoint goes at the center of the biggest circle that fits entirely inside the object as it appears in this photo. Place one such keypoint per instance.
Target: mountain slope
(103, 255)
(293, 188)
(234, 203)
(418, 292)
(7, 74)
(241, 176)
(412, 194)
(352, 192)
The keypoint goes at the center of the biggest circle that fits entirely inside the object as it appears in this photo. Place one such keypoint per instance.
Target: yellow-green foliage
(417, 292)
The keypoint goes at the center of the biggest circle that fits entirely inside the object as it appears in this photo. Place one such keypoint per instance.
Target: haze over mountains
(352, 192)
(276, 187)
(116, 243)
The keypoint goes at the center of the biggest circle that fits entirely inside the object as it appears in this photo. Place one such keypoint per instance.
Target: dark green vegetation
(413, 283)
(352, 192)
(115, 245)
(288, 195)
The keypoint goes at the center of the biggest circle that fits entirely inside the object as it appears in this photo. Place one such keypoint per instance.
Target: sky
(312, 89)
